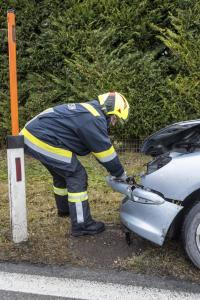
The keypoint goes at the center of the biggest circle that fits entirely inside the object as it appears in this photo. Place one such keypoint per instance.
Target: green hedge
(73, 50)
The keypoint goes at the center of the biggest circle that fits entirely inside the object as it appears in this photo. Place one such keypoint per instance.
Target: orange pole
(13, 71)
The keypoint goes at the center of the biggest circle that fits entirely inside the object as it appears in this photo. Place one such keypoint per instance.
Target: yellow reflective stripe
(45, 146)
(78, 194)
(106, 156)
(77, 197)
(91, 109)
(60, 191)
(105, 153)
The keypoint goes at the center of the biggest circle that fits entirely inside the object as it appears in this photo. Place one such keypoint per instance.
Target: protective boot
(81, 220)
(62, 205)
(91, 228)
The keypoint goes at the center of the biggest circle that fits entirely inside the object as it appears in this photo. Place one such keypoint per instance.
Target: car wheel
(191, 234)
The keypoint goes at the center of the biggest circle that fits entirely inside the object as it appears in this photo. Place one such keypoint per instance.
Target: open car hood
(185, 135)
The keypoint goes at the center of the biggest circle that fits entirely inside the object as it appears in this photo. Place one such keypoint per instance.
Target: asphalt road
(24, 296)
(24, 281)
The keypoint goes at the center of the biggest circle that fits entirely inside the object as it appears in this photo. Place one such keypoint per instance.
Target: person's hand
(126, 179)
(130, 180)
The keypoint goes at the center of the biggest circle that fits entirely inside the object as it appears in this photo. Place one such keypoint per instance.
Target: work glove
(126, 179)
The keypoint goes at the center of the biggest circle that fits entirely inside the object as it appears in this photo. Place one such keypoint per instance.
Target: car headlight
(147, 196)
(158, 163)
(155, 201)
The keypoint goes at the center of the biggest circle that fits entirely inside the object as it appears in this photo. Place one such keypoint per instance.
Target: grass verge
(49, 237)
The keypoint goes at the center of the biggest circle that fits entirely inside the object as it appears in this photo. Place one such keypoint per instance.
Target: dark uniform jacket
(58, 133)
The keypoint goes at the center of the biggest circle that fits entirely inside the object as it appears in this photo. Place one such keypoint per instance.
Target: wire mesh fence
(124, 145)
(129, 152)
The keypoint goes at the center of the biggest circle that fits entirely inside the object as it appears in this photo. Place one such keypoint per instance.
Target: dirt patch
(107, 249)
(110, 250)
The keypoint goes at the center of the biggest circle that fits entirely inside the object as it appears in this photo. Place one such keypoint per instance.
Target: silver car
(167, 201)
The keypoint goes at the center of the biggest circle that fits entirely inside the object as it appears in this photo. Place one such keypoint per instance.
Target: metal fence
(128, 151)
(124, 145)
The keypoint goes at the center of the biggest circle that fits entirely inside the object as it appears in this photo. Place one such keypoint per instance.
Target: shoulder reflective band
(45, 149)
(106, 156)
(91, 109)
(77, 197)
(60, 191)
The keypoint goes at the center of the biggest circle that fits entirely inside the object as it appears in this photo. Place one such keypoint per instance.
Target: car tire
(191, 234)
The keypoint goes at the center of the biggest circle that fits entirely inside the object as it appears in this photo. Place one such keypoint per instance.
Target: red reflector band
(18, 169)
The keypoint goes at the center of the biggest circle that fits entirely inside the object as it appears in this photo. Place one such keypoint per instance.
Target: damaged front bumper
(145, 212)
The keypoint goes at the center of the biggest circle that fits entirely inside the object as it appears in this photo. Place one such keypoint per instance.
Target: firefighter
(58, 134)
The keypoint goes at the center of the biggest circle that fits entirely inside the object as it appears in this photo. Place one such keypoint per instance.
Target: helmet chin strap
(113, 120)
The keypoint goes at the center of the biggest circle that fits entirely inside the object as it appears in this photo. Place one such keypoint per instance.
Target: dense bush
(72, 50)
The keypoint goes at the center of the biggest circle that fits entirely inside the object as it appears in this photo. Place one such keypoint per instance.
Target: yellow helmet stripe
(115, 103)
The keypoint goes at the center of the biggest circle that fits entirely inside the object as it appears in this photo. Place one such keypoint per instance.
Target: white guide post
(15, 147)
(17, 194)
